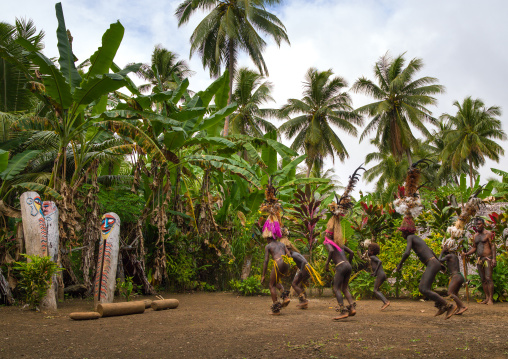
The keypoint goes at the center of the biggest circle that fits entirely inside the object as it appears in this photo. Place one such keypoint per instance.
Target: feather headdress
(271, 206)
(408, 202)
(340, 208)
(457, 230)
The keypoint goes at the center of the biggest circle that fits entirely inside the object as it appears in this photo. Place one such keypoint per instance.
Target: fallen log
(84, 315)
(148, 303)
(126, 308)
(165, 304)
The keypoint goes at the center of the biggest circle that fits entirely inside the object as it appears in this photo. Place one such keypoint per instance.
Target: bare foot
(386, 305)
(461, 310)
(451, 311)
(285, 302)
(343, 316)
(352, 312)
(303, 305)
(275, 313)
(440, 311)
(483, 301)
(490, 302)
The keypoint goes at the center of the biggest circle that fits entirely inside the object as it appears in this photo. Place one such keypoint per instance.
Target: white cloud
(460, 41)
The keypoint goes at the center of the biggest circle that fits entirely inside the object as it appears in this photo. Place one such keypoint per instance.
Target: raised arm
(265, 264)
(350, 252)
(406, 254)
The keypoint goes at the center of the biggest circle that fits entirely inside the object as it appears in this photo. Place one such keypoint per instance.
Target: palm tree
(401, 102)
(473, 131)
(231, 26)
(250, 92)
(322, 106)
(159, 73)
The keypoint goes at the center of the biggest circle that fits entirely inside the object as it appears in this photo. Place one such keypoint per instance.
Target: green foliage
(250, 286)
(35, 276)
(500, 278)
(125, 287)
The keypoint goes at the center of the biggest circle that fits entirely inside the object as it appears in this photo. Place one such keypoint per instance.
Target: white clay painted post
(50, 211)
(105, 277)
(36, 236)
(34, 225)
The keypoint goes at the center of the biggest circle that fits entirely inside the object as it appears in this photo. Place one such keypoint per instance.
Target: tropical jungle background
(185, 167)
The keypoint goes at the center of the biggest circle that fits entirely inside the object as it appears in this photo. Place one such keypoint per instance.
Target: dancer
(378, 272)
(485, 248)
(341, 279)
(429, 258)
(409, 205)
(335, 244)
(272, 232)
(456, 278)
(276, 250)
(305, 271)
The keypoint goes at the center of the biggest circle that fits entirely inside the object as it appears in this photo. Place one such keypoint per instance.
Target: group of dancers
(280, 248)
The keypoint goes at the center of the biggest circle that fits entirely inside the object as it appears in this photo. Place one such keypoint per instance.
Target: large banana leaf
(305, 180)
(66, 59)
(4, 160)
(180, 90)
(102, 59)
(130, 84)
(207, 95)
(133, 114)
(218, 141)
(226, 164)
(93, 88)
(253, 154)
(216, 117)
(37, 187)
(54, 83)
(269, 154)
(18, 164)
(127, 129)
(284, 172)
(175, 138)
(222, 94)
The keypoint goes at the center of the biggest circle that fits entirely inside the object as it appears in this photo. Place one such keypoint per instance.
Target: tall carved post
(50, 212)
(105, 278)
(36, 236)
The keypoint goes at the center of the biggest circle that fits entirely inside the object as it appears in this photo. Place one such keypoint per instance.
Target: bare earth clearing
(222, 325)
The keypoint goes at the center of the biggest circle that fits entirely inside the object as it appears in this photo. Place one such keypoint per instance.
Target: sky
(461, 43)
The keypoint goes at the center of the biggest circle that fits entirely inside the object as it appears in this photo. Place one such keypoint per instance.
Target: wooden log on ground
(105, 278)
(126, 308)
(84, 315)
(148, 303)
(165, 304)
(35, 232)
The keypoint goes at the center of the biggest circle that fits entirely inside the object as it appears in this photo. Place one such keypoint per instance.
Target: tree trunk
(5, 291)
(471, 173)
(247, 265)
(408, 154)
(231, 68)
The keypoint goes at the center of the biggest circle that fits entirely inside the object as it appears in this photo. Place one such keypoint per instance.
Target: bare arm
(350, 252)
(472, 250)
(493, 249)
(265, 264)
(329, 257)
(377, 261)
(405, 255)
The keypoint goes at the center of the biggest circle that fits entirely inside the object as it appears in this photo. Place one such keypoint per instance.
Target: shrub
(35, 276)
(125, 287)
(250, 286)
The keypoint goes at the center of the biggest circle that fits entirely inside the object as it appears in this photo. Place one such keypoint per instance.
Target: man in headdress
(429, 258)
(485, 248)
(277, 250)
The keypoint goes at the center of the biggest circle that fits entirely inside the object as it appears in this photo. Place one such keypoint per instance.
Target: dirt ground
(222, 325)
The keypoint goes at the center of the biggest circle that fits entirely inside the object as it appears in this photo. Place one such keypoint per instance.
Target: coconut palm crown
(401, 102)
(229, 27)
(250, 92)
(324, 104)
(474, 129)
